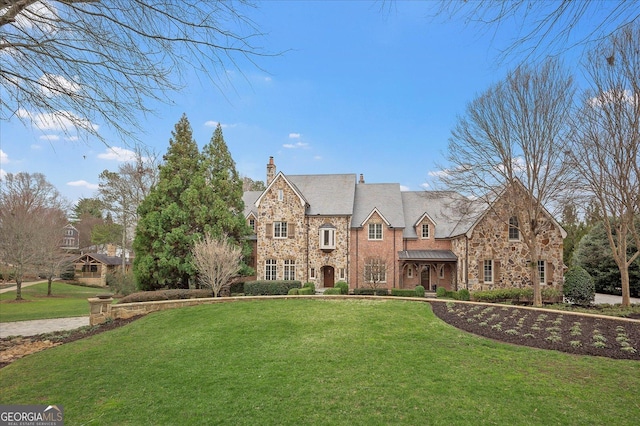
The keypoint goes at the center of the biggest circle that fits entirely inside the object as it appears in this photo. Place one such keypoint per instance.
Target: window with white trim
(280, 229)
(312, 273)
(488, 271)
(425, 230)
(280, 195)
(375, 231)
(289, 269)
(341, 273)
(542, 271)
(270, 270)
(327, 238)
(514, 230)
(441, 272)
(375, 271)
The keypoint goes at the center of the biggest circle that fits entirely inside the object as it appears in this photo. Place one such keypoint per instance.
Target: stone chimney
(361, 178)
(111, 250)
(271, 171)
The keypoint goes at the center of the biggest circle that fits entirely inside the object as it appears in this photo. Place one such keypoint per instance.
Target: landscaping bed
(561, 331)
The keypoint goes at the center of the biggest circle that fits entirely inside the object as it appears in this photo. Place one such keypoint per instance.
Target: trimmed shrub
(121, 284)
(463, 294)
(236, 287)
(306, 291)
(579, 286)
(310, 285)
(403, 292)
(441, 292)
(343, 286)
(334, 290)
(371, 291)
(173, 294)
(293, 291)
(419, 291)
(269, 288)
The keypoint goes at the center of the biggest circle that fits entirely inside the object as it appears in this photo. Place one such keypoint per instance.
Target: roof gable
(296, 191)
(385, 198)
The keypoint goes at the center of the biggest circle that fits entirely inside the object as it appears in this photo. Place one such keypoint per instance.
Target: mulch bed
(12, 348)
(575, 334)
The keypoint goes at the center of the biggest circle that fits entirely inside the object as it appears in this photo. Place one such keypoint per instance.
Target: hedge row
(371, 291)
(514, 295)
(462, 294)
(269, 288)
(174, 294)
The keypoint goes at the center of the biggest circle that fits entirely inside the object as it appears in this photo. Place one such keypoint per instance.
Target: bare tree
(27, 202)
(122, 192)
(217, 261)
(606, 146)
(510, 144)
(374, 272)
(545, 28)
(51, 257)
(69, 63)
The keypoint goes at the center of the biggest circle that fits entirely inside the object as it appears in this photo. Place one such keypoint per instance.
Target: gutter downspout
(465, 270)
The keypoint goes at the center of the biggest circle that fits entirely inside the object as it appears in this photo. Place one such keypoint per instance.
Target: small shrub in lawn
(236, 287)
(333, 290)
(371, 291)
(306, 291)
(120, 283)
(343, 286)
(464, 294)
(310, 285)
(293, 291)
(579, 287)
(403, 292)
(441, 292)
(419, 291)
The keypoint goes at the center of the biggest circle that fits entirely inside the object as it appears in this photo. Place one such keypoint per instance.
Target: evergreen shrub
(310, 285)
(334, 290)
(403, 292)
(343, 286)
(371, 291)
(463, 294)
(306, 291)
(441, 292)
(419, 291)
(579, 287)
(293, 292)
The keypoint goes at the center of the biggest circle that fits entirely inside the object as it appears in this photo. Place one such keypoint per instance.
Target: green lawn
(346, 362)
(66, 301)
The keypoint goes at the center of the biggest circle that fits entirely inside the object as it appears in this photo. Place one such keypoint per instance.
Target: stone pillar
(100, 309)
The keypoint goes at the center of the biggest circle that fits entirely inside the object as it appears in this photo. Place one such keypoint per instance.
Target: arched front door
(328, 277)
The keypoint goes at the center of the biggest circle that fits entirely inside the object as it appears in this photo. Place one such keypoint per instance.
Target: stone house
(329, 228)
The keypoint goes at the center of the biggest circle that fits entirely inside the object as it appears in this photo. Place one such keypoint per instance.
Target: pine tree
(168, 216)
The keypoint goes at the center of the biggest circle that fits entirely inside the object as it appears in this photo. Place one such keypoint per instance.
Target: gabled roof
(326, 195)
(292, 185)
(249, 198)
(383, 197)
(102, 258)
(448, 210)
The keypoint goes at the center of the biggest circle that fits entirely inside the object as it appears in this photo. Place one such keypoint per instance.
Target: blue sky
(358, 90)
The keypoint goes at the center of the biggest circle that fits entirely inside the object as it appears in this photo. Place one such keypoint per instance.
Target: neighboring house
(329, 228)
(92, 268)
(70, 238)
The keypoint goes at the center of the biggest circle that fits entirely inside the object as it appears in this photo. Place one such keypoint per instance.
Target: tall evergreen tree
(169, 216)
(226, 206)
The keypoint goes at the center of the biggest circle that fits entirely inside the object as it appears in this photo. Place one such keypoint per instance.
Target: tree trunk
(533, 273)
(624, 275)
(18, 289)
(49, 285)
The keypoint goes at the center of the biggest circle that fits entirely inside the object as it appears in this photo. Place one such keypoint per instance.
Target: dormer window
(425, 231)
(327, 237)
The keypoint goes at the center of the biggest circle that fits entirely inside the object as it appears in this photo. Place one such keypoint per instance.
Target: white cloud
(317, 157)
(212, 123)
(437, 174)
(42, 12)
(118, 154)
(425, 185)
(404, 188)
(84, 183)
(613, 96)
(63, 121)
(4, 158)
(294, 135)
(52, 85)
(49, 137)
(295, 145)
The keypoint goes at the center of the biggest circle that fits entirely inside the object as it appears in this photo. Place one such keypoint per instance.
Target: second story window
(375, 231)
(252, 224)
(280, 195)
(514, 231)
(279, 229)
(327, 237)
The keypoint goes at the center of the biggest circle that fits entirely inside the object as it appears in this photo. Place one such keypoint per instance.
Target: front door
(425, 279)
(328, 278)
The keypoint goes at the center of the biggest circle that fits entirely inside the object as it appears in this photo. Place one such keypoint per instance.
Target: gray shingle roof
(385, 197)
(249, 198)
(450, 212)
(329, 195)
